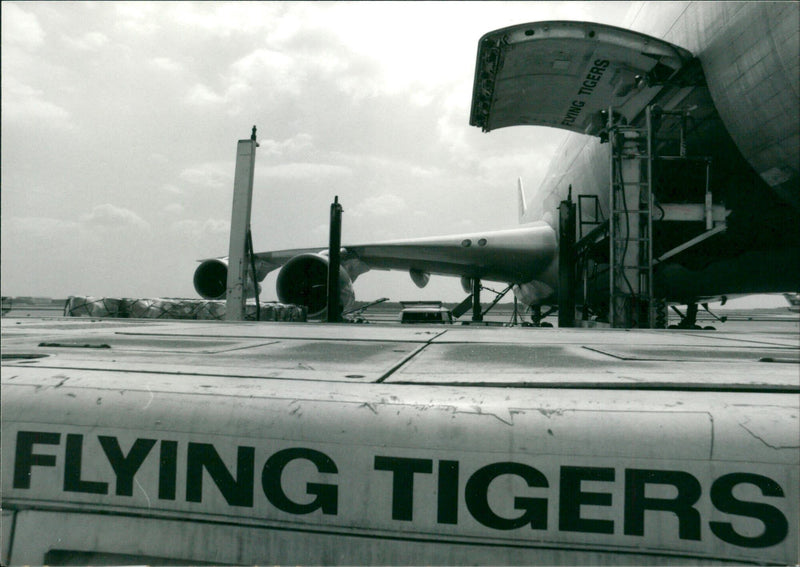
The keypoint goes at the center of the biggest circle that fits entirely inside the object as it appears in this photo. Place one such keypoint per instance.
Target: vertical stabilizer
(522, 207)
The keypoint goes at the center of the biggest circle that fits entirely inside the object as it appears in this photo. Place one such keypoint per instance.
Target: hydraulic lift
(621, 246)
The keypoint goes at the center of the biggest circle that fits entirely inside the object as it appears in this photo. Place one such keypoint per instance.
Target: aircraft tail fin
(522, 207)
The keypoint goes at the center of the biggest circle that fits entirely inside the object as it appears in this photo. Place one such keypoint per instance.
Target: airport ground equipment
(193, 442)
(334, 262)
(566, 262)
(630, 224)
(238, 254)
(632, 250)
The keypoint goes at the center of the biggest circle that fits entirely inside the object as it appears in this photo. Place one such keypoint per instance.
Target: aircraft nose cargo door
(564, 74)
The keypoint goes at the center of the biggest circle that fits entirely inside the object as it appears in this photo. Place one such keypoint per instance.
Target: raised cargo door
(567, 75)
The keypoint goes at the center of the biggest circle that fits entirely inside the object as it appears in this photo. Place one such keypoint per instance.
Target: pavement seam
(408, 357)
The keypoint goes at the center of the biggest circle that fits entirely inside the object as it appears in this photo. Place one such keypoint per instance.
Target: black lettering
(682, 505)
(168, 470)
(571, 498)
(327, 495)
(72, 469)
(590, 84)
(477, 497)
(584, 90)
(601, 63)
(25, 458)
(237, 492)
(597, 71)
(448, 493)
(572, 112)
(403, 482)
(593, 77)
(775, 525)
(125, 467)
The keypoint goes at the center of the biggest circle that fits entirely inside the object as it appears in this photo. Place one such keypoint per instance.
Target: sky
(120, 122)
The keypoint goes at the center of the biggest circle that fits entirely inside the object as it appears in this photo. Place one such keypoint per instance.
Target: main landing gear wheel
(537, 316)
(689, 321)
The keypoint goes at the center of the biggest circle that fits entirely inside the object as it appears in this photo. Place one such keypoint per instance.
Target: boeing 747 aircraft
(704, 96)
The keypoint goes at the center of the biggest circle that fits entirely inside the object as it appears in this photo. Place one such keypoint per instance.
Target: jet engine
(303, 280)
(211, 279)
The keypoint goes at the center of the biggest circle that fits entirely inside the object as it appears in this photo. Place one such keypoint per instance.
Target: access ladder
(631, 301)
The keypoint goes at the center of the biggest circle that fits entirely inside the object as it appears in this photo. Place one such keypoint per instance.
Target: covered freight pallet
(176, 309)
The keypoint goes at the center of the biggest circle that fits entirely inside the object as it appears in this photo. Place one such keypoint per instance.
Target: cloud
(166, 64)
(201, 95)
(90, 41)
(20, 27)
(263, 69)
(267, 61)
(381, 205)
(38, 226)
(225, 19)
(303, 171)
(279, 148)
(425, 172)
(196, 229)
(111, 216)
(173, 209)
(21, 101)
(170, 188)
(138, 17)
(212, 175)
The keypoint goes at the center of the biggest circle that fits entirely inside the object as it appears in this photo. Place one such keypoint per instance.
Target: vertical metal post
(651, 304)
(612, 220)
(709, 201)
(240, 223)
(334, 261)
(566, 262)
(476, 300)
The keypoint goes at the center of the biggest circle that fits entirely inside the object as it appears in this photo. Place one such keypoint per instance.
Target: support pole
(566, 262)
(476, 300)
(334, 261)
(240, 224)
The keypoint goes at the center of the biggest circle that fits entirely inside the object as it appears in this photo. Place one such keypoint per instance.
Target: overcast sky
(120, 123)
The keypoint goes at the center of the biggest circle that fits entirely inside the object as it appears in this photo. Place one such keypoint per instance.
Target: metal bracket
(689, 243)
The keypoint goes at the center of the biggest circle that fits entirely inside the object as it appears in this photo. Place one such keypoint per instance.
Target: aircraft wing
(515, 255)
(518, 255)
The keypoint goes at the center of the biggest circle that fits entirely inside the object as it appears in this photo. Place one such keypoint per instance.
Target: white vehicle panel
(193, 464)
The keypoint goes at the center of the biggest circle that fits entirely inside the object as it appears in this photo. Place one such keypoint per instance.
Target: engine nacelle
(419, 277)
(211, 280)
(303, 280)
(533, 292)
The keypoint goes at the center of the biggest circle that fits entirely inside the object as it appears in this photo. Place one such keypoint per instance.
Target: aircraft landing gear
(537, 316)
(689, 321)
